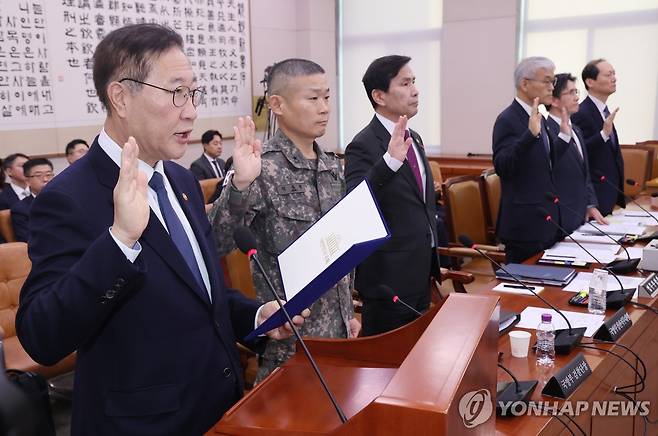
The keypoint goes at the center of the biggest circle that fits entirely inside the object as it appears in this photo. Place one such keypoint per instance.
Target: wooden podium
(408, 381)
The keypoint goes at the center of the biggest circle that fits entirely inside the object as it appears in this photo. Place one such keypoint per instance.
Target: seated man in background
(298, 183)
(571, 173)
(209, 165)
(38, 172)
(76, 149)
(16, 189)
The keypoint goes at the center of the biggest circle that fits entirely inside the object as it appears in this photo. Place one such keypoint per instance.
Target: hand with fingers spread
(285, 331)
(534, 123)
(131, 208)
(246, 154)
(398, 146)
(608, 124)
(565, 126)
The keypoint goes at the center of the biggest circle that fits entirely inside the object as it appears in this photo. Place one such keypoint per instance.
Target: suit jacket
(572, 180)
(203, 170)
(525, 170)
(605, 157)
(20, 217)
(7, 197)
(154, 355)
(404, 262)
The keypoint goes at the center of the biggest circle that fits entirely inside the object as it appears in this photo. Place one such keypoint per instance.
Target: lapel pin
(184, 196)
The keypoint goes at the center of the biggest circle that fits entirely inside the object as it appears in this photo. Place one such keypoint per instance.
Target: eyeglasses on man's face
(574, 92)
(546, 82)
(180, 95)
(43, 176)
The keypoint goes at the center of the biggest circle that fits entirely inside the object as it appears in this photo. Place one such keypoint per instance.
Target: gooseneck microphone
(246, 242)
(388, 291)
(517, 391)
(630, 182)
(614, 299)
(565, 339)
(619, 266)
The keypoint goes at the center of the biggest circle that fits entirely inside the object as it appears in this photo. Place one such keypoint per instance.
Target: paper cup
(520, 342)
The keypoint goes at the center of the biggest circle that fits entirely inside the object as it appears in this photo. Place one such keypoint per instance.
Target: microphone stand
(517, 391)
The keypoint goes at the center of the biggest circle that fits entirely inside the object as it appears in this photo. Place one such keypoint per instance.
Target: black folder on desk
(537, 274)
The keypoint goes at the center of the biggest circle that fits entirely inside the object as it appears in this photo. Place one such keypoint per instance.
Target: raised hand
(534, 123)
(398, 146)
(131, 208)
(565, 127)
(608, 124)
(246, 154)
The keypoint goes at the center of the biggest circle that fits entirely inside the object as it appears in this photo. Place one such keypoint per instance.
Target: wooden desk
(458, 164)
(607, 370)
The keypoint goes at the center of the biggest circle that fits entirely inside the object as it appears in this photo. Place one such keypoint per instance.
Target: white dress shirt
(563, 136)
(21, 193)
(212, 165)
(579, 147)
(601, 107)
(113, 150)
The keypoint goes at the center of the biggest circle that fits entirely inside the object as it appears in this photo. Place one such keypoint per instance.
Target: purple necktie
(413, 163)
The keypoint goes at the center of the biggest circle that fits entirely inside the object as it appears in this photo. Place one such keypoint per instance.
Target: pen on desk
(560, 256)
(517, 287)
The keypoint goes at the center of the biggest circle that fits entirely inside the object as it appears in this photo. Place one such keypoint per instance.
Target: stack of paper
(581, 283)
(570, 252)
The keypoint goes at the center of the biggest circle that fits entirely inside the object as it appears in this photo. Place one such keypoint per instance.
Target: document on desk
(327, 251)
(531, 318)
(582, 279)
(571, 252)
(594, 238)
(618, 227)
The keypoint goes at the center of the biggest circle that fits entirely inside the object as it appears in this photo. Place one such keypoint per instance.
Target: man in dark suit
(601, 139)
(16, 189)
(209, 165)
(124, 270)
(39, 172)
(524, 155)
(571, 173)
(75, 149)
(393, 160)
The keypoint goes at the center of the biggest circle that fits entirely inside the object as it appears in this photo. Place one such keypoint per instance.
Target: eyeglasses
(573, 92)
(546, 82)
(180, 95)
(43, 176)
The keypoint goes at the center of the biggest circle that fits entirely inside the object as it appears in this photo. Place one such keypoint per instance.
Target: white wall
(478, 56)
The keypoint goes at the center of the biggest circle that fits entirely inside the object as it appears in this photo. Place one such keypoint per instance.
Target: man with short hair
(39, 172)
(209, 165)
(124, 269)
(76, 149)
(16, 189)
(392, 159)
(571, 174)
(524, 155)
(601, 139)
(281, 191)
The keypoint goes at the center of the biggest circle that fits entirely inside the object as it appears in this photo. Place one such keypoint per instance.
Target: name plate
(613, 328)
(567, 379)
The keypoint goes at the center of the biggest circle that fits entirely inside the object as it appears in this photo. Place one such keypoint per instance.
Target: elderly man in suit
(601, 139)
(524, 156)
(392, 158)
(124, 270)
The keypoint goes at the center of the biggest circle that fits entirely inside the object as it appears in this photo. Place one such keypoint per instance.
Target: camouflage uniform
(290, 194)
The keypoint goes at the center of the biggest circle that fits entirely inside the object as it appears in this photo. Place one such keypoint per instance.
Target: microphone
(565, 339)
(387, 290)
(246, 242)
(513, 392)
(630, 182)
(619, 266)
(614, 299)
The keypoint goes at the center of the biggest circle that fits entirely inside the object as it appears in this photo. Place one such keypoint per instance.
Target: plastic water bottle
(597, 292)
(545, 341)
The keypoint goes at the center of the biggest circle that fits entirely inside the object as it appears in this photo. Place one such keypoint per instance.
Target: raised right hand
(534, 123)
(131, 208)
(246, 154)
(397, 146)
(608, 124)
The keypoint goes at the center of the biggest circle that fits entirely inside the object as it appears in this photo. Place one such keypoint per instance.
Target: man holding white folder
(280, 189)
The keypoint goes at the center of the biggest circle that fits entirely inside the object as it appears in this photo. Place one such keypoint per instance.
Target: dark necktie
(176, 231)
(613, 137)
(413, 163)
(217, 170)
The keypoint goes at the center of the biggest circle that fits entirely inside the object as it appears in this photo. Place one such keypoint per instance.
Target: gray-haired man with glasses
(124, 268)
(524, 154)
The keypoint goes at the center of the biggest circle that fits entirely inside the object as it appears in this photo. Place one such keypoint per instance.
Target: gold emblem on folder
(330, 246)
